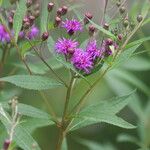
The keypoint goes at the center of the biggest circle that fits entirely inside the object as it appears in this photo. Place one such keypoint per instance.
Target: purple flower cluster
(83, 60)
(4, 36)
(72, 26)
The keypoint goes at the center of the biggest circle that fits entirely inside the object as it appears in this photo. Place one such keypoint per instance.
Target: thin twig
(42, 59)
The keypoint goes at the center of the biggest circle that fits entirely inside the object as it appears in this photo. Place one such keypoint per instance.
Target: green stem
(62, 132)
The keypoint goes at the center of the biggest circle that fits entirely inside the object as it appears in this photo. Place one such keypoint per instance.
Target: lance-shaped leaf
(32, 82)
(18, 17)
(105, 111)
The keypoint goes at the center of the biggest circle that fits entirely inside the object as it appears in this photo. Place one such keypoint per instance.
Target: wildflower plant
(85, 59)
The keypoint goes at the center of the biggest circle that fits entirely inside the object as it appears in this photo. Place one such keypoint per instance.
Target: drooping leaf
(31, 82)
(125, 55)
(18, 17)
(127, 138)
(137, 64)
(127, 76)
(120, 87)
(29, 111)
(32, 124)
(140, 41)
(105, 111)
(24, 140)
(91, 145)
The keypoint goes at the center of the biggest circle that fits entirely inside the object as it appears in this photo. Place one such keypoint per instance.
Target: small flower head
(92, 49)
(109, 46)
(82, 61)
(65, 46)
(72, 26)
(33, 33)
(21, 34)
(4, 36)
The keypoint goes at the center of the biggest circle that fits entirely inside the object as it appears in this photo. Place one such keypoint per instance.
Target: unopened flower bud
(88, 16)
(139, 18)
(26, 19)
(120, 37)
(64, 10)
(92, 30)
(37, 6)
(6, 144)
(37, 13)
(118, 4)
(126, 23)
(26, 25)
(10, 21)
(59, 12)
(29, 3)
(31, 18)
(50, 6)
(109, 41)
(106, 26)
(45, 36)
(57, 21)
(12, 13)
(122, 9)
(71, 32)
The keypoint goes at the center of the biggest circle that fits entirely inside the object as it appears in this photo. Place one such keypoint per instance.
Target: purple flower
(21, 34)
(109, 46)
(93, 50)
(65, 46)
(72, 26)
(4, 36)
(82, 61)
(33, 33)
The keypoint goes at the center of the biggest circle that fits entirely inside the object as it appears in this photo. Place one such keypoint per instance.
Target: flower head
(93, 50)
(33, 33)
(65, 46)
(72, 26)
(4, 36)
(109, 46)
(82, 61)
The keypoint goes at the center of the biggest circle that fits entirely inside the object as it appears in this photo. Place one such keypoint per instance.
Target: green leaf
(18, 17)
(100, 28)
(91, 145)
(134, 43)
(104, 111)
(31, 124)
(31, 82)
(127, 138)
(120, 87)
(124, 56)
(27, 46)
(44, 16)
(24, 140)
(137, 64)
(132, 79)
